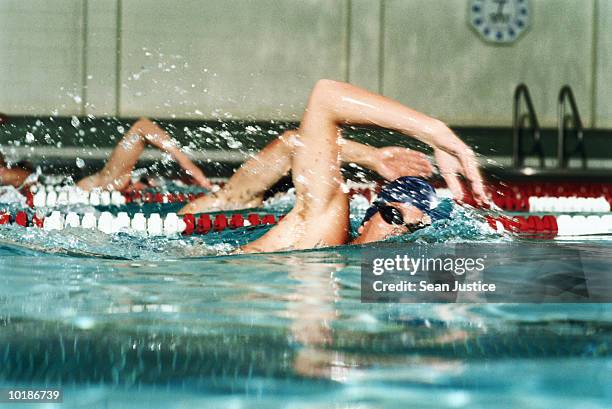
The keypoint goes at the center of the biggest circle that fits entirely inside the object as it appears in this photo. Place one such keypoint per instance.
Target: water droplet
(252, 129)
(80, 163)
(233, 143)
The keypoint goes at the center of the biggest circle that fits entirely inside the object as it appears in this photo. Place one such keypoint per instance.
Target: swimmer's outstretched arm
(348, 104)
(320, 214)
(246, 188)
(116, 174)
(248, 184)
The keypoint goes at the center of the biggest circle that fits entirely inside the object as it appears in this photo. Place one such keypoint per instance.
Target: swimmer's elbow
(439, 127)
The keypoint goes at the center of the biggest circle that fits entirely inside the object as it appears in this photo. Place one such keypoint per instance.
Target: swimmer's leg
(117, 171)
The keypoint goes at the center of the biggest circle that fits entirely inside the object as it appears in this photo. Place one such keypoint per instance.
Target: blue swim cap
(413, 191)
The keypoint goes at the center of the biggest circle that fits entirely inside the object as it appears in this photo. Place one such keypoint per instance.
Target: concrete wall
(41, 56)
(257, 59)
(603, 68)
(230, 57)
(437, 64)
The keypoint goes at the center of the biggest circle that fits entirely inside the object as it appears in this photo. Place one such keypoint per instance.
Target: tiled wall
(257, 59)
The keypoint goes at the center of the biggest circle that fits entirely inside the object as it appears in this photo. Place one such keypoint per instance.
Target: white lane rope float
(139, 224)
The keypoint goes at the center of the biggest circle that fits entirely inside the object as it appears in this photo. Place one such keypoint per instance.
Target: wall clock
(499, 21)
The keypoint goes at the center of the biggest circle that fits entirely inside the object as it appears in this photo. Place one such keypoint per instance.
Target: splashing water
(462, 227)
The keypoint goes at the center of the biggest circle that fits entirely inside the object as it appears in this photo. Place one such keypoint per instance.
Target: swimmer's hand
(393, 162)
(203, 181)
(166, 144)
(196, 174)
(463, 162)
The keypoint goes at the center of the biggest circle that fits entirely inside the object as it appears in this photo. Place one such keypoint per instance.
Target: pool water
(126, 322)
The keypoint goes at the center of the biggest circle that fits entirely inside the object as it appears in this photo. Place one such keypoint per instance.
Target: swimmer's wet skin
(320, 216)
(248, 185)
(117, 171)
(403, 206)
(15, 175)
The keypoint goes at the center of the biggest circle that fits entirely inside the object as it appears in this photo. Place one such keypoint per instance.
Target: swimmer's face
(376, 229)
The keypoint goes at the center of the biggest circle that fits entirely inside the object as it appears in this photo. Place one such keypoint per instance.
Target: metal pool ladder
(519, 121)
(563, 122)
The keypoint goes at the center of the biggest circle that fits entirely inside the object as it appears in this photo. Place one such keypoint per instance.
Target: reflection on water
(285, 327)
(121, 321)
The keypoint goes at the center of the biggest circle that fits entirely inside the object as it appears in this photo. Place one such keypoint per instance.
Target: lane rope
(545, 227)
(154, 225)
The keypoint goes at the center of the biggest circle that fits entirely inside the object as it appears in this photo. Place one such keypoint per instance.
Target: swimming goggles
(394, 217)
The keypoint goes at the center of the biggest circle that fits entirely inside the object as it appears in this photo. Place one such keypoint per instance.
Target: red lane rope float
(538, 227)
(204, 223)
(519, 197)
(516, 197)
(21, 219)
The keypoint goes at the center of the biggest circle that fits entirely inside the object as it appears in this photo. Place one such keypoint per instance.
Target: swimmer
(117, 172)
(14, 175)
(320, 216)
(248, 185)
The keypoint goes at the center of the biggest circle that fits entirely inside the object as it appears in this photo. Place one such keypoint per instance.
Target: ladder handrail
(518, 157)
(566, 94)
